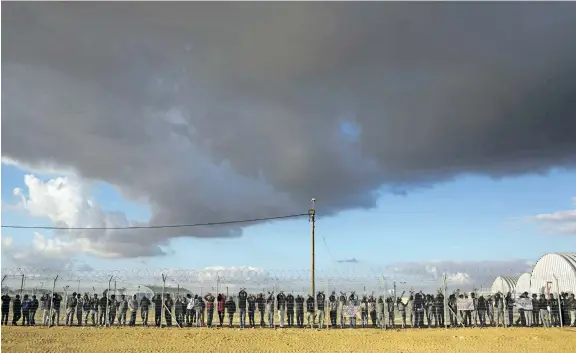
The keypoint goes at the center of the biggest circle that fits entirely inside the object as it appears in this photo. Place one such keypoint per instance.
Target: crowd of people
(337, 311)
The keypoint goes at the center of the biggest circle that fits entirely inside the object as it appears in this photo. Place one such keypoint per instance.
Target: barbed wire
(160, 226)
(234, 275)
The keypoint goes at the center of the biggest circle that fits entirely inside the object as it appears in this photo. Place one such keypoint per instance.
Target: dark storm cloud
(218, 111)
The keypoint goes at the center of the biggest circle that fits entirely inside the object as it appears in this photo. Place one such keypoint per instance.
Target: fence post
(444, 290)
(52, 302)
(162, 300)
(106, 314)
(559, 301)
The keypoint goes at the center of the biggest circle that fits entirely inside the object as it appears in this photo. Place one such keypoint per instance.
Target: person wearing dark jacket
(535, 311)
(157, 301)
(33, 309)
(299, 311)
(5, 308)
(221, 299)
(251, 309)
(310, 306)
(439, 310)
(242, 296)
(481, 307)
(144, 307)
(16, 310)
(333, 306)
(509, 302)
(102, 309)
(261, 304)
(281, 307)
(231, 309)
(290, 309)
(56, 301)
(554, 311)
(26, 305)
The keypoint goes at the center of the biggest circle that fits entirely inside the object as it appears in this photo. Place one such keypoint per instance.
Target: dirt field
(120, 340)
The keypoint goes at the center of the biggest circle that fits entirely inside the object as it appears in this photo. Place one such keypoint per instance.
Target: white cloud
(563, 222)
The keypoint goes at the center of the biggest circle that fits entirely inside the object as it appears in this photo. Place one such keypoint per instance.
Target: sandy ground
(120, 340)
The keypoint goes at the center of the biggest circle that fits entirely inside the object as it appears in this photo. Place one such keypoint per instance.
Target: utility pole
(312, 220)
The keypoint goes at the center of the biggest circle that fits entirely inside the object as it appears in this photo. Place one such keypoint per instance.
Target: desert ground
(123, 340)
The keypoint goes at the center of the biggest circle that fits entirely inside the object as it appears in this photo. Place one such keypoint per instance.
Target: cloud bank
(220, 111)
(563, 222)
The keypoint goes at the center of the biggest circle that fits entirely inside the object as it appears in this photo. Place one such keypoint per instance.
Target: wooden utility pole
(312, 219)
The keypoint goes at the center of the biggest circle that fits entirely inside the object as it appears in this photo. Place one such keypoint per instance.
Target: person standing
(179, 310)
(33, 310)
(342, 308)
(199, 311)
(402, 310)
(221, 306)
(281, 306)
(391, 312)
(168, 304)
(6, 299)
(230, 309)
(320, 305)
(290, 309)
(26, 305)
(102, 309)
(251, 310)
(94, 310)
(481, 307)
(535, 311)
(122, 310)
(333, 307)
(544, 306)
(78, 309)
(242, 295)
(157, 301)
(270, 309)
(56, 302)
(261, 303)
(554, 311)
(310, 306)
(71, 304)
(572, 308)
(16, 310)
(299, 311)
(499, 308)
(47, 310)
(209, 308)
(364, 312)
(439, 310)
(372, 310)
(133, 307)
(509, 303)
(144, 307)
(380, 310)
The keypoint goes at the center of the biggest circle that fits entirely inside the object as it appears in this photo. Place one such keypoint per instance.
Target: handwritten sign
(523, 303)
(465, 304)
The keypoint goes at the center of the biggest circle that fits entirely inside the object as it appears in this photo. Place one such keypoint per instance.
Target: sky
(432, 141)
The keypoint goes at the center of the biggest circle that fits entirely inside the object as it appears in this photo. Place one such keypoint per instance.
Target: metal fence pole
(106, 314)
(559, 300)
(162, 300)
(52, 302)
(444, 291)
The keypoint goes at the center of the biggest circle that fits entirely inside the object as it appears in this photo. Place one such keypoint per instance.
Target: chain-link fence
(351, 299)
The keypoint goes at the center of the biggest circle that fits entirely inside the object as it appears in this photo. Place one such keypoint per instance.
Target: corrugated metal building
(523, 284)
(504, 284)
(554, 272)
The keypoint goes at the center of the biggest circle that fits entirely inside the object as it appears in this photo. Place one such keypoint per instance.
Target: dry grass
(121, 340)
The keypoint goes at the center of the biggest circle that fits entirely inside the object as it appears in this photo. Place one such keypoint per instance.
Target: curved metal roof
(504, 284)
(554, 269)
(523, 283)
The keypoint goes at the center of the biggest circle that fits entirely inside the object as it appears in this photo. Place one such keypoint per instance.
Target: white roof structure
(523, 284)
(555, 272)
(504, 284)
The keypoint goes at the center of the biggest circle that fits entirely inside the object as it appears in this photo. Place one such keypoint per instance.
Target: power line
(161, 226)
